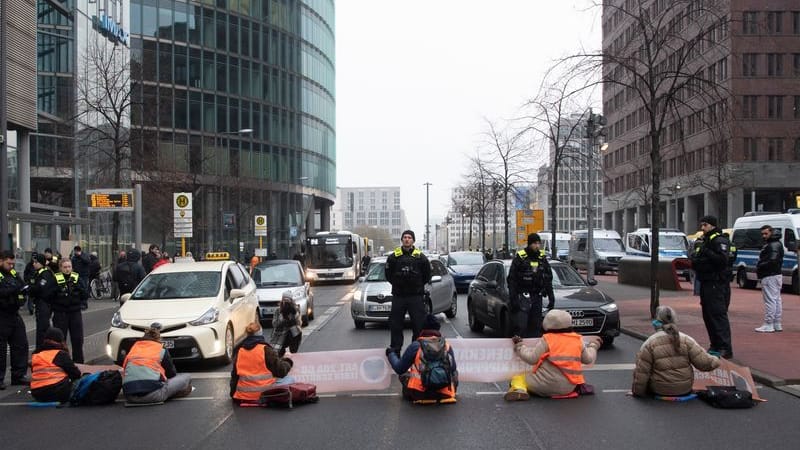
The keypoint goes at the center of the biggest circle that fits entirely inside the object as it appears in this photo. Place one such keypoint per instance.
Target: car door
(240, 309)
(440, 297)
(494, 294)
(480, 293)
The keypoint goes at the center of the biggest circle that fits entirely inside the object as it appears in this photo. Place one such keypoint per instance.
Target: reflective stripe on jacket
(564, 352)
(254, 377)
(43, 371)
(415, 378)
(143, 362)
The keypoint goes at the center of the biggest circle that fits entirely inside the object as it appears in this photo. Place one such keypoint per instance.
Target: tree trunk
(553, 209)
(655, 218)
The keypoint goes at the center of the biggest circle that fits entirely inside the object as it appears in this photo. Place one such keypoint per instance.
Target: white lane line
(321, 320)
(490, 393)
(209, 375)
(447, 321)
(346, 297)
(599, 367)
(614, 391)
(326, 395)
(191, 398)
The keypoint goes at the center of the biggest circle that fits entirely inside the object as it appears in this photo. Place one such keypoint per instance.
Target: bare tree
(660, 62)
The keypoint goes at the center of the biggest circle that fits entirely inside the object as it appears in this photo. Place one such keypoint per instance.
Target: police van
(608, 250)
(748, 242)
(562, 244)
(671, 244)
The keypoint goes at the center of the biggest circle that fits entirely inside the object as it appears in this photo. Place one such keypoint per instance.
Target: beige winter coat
(662, 370)
(548, 380)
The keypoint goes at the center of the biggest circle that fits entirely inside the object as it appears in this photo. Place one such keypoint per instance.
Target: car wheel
(505, 327)
(742, 281)
(450, 313)
(474, 324)
(608, 342)
(228, 356)
(360, 324)
(428, 307)
(304, 320)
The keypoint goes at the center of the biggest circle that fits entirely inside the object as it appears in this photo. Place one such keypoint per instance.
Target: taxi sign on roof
(217, 256)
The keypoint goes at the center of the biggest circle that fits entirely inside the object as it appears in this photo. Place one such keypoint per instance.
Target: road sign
(528, 221)
(292, 232)
(261, 225)
(110, 200)
(261, 252)
(182, 203)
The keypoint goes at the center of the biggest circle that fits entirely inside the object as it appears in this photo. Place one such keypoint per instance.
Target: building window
(797, 149)
(796, 22)
(775, 64)
(751, 149)
(750, 22)
(775, 22)
(775, 149)
(775, 106)
(797, 107)
(750, 107)
(796, 64)
(722, 69)
(749, 64)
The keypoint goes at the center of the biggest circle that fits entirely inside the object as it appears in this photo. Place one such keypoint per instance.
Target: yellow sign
(528, 221)
(110, 200)
(217, 256)
(261, 226)
(182, 201)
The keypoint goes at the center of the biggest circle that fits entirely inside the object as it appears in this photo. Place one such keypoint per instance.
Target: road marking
(209, 375)
(614, 391)
(447, 321)
(191, 398)
(346, 297)
(326, 395)
(321, 321)
(490, 392)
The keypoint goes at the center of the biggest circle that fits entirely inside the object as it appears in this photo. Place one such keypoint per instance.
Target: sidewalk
(772, 357)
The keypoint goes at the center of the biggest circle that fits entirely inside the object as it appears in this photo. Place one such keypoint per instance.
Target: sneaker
(766, 328)
(725, 354)
(516, 395)
(448, 400)
(777, 327)
(713, 352)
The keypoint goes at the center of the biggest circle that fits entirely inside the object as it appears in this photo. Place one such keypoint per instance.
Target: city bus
(334, 256)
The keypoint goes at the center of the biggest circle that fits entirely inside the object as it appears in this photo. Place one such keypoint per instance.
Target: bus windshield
(329, 253)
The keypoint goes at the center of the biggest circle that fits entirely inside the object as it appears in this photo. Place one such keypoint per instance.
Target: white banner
(343, 370)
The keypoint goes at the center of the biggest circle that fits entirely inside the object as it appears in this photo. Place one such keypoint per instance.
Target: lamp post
(427, 215)
(303, 217)
(677, 212)
(463, 217)
(594, 129)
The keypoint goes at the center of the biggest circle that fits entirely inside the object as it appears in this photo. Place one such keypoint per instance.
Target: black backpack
(435, 368)
(125, 277)
(99, 388)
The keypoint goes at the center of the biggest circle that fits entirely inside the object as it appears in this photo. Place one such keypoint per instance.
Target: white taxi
(203, 309)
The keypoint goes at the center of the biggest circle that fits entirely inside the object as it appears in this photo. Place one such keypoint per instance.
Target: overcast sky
(415, 79)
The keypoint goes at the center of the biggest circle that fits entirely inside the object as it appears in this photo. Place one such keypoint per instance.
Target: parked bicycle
(103, 286)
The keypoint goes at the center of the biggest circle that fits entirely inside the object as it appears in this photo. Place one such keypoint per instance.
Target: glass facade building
(234, 101)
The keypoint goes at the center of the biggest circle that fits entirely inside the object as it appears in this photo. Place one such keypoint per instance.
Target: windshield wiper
(274, 283)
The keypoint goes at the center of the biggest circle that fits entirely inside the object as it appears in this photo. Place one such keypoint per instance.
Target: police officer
(67, 316)
(12, 328)
(28, 276)
(43, 291)
(408, 270)
(529, 278)
(710, 263)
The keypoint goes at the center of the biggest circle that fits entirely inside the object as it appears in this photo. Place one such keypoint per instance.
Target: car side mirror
(591, 282)
(361, 279)
(491, 284)
(124, 298)
(236, 293)
(436, 278)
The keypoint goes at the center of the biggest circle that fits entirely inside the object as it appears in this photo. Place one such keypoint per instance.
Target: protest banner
(727, 374)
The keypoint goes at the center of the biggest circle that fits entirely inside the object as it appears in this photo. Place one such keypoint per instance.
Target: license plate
(582, 322)
(167, 343)
(267, 310)
(377, 308)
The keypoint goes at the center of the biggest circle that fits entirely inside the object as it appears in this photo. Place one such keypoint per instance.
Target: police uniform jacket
(530, 272)
(10, 298)
(44, 286)
(408, 271)
(770, 260)
(710, 259)
(69, 294)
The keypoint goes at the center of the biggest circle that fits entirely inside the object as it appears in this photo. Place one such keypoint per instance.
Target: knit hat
(153, 332)
(711, 220)
(252, 328)
(39, 257)
(431, 323)
(54, 334)
(665, 314)
(413, 236)
(557, 319)
(533, 237)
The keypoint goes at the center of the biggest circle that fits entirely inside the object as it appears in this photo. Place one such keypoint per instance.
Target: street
(480, 419)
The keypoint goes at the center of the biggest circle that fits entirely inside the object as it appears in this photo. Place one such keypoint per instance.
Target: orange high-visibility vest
(44, 372)
(143, 362)
(564, 352)
(415, 378)
(254, 377)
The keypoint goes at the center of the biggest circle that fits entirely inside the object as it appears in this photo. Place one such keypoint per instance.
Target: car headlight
(609, 307)
(117, 322)
(297, 295)
(210, 316)
(311, 275)
(357, 294)
(349, 273)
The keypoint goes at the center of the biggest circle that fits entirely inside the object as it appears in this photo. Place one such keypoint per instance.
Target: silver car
(275, 277)
(372, 298)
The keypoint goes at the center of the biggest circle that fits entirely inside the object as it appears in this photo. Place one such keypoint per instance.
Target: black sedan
(592, 311)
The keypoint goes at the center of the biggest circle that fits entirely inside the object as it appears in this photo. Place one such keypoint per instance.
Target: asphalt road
(480, 419)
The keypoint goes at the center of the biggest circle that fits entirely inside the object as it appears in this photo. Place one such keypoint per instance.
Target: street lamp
(677, 212)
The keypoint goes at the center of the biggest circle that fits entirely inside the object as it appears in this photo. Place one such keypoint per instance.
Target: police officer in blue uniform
(42, 291)
(67, 316)
(12, 328)
(529, 279)
(408, 270)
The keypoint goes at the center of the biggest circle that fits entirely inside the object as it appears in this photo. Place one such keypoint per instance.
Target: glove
(516, 339)
(291, 363)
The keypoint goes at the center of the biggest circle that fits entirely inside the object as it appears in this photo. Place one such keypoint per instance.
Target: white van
(562, 244)
(671, 244)
(608, 250)
(747, 240)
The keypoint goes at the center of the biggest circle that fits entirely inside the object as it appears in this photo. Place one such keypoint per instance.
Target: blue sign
(110, 29)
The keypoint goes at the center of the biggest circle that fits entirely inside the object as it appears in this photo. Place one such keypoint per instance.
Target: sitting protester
(286, 322)
(556, 360)
(52, 369)
(665, 360)
(428, 367)
(256, 367)
(148, 374)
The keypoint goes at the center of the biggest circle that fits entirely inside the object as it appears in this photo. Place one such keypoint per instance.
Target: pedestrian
(710, 263)
(67, 307)
(130, 273)
(148, 374)
(286, 323)
(666, 361)
(151, 258)
(12, 328)
(52, 259)
(43, 292)
(81, 264)
(769, 271)
(556, 360)
(254, 261)
(408, 270)
(52, 369)
(529, 279)
(163, 259)
(122, 257)
(431, 353)
(365, 260)
(256, 367)
(94, 267)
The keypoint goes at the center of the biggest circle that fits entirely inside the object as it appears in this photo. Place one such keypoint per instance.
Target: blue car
(464, 266)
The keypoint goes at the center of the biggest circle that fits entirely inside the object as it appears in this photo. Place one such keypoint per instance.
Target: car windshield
(609, 245)
(565, 276)
(672, 242)
(277, 275)
(377, 272)
(467, 259)
(178, 285)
